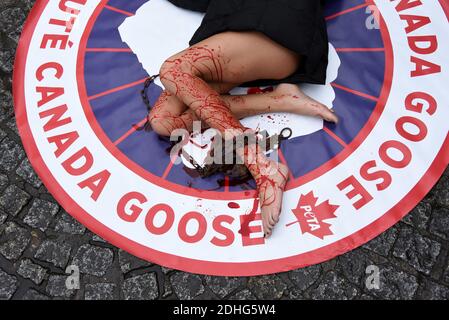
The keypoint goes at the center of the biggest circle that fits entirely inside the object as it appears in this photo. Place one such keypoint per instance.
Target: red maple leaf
(311, 216)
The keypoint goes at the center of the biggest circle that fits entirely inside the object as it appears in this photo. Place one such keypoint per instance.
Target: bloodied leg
(224, 58)
(170, 113)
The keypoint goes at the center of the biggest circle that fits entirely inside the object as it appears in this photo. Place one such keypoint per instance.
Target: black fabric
(195, 5)
(298, 25)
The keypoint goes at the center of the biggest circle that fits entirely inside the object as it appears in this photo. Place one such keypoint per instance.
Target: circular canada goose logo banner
(79, 70)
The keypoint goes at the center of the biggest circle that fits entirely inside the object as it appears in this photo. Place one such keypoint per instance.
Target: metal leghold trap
(222, 156)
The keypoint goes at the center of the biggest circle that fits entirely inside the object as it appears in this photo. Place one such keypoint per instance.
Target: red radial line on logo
(284, 161)
(292, 223)
(445, 5)
(335, 137)
(360, 49)
(126, 13)
(226, 184)
(130, 132)
(169, 167)
(357, 93)
(346, 11)
(125, 86)
(108, 50)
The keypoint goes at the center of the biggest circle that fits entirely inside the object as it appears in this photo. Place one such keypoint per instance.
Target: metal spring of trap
(236, 169)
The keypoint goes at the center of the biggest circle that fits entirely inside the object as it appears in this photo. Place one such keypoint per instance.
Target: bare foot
(298, 102)
(271, 185)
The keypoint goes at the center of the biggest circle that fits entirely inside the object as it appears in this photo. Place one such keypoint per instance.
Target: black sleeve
(195, 5)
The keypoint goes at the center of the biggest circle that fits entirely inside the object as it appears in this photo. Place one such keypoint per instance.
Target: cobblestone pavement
(38, 240)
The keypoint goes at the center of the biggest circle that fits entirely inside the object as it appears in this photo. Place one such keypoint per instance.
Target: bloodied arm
(183, 76)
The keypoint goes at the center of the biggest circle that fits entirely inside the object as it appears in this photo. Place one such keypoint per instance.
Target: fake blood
(183, 76)
(233, 205)
(245, 228)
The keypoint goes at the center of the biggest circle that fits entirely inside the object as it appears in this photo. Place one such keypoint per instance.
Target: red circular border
(205, 194)
(193, 265)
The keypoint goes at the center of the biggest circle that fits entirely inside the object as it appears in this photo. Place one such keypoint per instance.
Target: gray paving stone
(223, 286)
(6, 57)
(6, 109)
(294, 294)
(441, 192)
(353, 266)
(9, 285)
(334, 287)
(10, 17)
(141, 287)
(3, 217)
(93, 260)
(267, 287)
(97, 238)
(67, 224)
(32, 271)
(243, 295)
(36, 240)
(384, 242)
(27, 173)
(56, 252)
(418, 251)
(100, 291)
(166, 270)
(13, 240)
(168, 291)
(129, 262)
(6, 3)
(13, 199)
(11, 124)
(3, 180)
(32, 294)
(419, 216)
(186, 286)
(28, 4)
(56, 287)
(2, 134)
(11, 154)
(446, 274)
(305, 277)
(439, 224)
(40, 214)
(395, 284)
(434, 291)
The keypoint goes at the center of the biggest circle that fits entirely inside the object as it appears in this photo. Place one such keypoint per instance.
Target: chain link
(144, 94)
